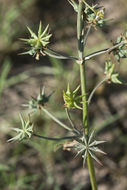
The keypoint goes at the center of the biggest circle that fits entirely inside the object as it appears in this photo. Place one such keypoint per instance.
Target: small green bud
(121, 51)
(32, 104)
(71, 99)
(109, 68)
(36, 103)
(42, 98)
(112, 76)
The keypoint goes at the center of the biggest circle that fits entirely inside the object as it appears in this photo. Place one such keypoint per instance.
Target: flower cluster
(71, 99)
(112, 76)
(25, 131)
(121, 51)
(86, 145)
(36, 103)
(95, 16)
(37, 42)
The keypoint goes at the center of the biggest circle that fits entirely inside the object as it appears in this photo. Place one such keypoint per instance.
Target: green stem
(57, 55)
(55, 119)
(103, 51)
(96, 87)
(91, 172)
(87, 34)
(69, 118)
(80, 36)
(84, 98)
(55, 139)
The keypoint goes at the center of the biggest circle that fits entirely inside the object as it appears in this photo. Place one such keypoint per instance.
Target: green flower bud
(71, 99)
(121, 51)
(112, 76)
(36, 103)
(37, 42)
(94, 16)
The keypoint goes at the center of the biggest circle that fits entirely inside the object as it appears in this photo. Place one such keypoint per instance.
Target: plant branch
(55, 119)
(107, 50)
(91, 172)
(87, 34)
(96, 87)
(57, 55)
(71, 122)
(55, 139)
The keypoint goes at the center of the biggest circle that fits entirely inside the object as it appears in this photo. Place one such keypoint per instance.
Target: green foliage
(10, 180)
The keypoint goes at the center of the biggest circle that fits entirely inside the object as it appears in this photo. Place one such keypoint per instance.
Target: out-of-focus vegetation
(38, 164)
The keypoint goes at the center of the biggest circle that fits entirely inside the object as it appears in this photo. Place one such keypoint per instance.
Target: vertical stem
(91, 172)
(80, 36)
(84, 98)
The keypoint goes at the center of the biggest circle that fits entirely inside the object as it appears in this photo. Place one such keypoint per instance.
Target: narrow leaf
(45, 31)
(116, 79)
(96, 149)
(15, 138)
(94, 157)
(84, 158)
(40, 29)
(22, 121)
(94, 143)
(32, 33)
(91, 137)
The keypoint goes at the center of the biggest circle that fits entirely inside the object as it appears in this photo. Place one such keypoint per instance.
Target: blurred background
(37, 164)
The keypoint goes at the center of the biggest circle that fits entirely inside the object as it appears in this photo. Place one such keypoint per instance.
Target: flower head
(85, 145)
(25, 131)
(89, 145)
(37, 103)
(110, 73)
(95, 16)
(37, 42)
(121, 51)
(71, 99)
